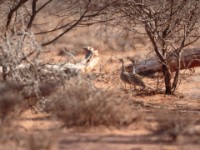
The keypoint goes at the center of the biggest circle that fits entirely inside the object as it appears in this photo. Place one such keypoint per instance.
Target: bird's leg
(143, 88)
(125, 86)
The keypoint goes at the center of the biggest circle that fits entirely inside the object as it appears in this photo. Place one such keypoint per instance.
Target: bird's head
(121, 60)
(88, 52)
(132, 60)
(88, 49)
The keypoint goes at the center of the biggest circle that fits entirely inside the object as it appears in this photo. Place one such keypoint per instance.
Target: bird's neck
(133, 70)
(88, 55)
(122, 68)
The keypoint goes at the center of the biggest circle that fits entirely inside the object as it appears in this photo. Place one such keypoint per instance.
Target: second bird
(131, 78)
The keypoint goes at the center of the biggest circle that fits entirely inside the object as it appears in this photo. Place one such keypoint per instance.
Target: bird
(91, 58)
(124, 76)
(138, 79)
(89, 62)
(130, 78)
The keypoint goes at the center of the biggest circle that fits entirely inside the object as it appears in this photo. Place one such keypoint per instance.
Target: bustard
(91, 58)
(124, 76)
(131, 78)
(86, 65)
(139, 78)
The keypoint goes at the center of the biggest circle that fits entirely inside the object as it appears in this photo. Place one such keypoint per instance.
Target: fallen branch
(190, 59)
(86, 65)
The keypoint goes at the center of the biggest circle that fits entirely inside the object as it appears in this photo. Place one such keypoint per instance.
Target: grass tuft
(81, 104)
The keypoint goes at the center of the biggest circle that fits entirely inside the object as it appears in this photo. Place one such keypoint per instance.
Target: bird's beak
(85, 50)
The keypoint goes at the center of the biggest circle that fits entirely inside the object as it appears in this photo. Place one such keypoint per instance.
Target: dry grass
(175, 124)
(38, 142)
(81, 104)
(12, 139)
(45, 88)
(10, 98)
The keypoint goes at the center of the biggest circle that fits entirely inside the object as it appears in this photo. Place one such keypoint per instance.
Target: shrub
(81, 104)
(174, 124)
(9, 98)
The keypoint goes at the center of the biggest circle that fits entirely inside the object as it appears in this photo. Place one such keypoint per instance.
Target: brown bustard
(91, 59)
(131, 78)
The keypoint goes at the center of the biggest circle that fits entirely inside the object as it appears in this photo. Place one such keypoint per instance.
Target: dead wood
(190, 58)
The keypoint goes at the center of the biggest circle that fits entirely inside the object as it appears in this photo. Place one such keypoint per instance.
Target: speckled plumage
(131, 78)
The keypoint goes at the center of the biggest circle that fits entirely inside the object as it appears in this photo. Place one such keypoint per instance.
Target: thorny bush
(82, 104)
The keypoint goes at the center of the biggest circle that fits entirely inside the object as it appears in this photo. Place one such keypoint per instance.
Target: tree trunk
(167, 75)
(4, 68)
(176, 77)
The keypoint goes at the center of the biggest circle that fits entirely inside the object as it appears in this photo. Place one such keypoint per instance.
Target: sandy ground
(136, 136)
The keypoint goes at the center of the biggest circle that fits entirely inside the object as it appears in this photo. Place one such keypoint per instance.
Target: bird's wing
(136, 79)
(139, 80)
(130, 78)
(138, 76)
